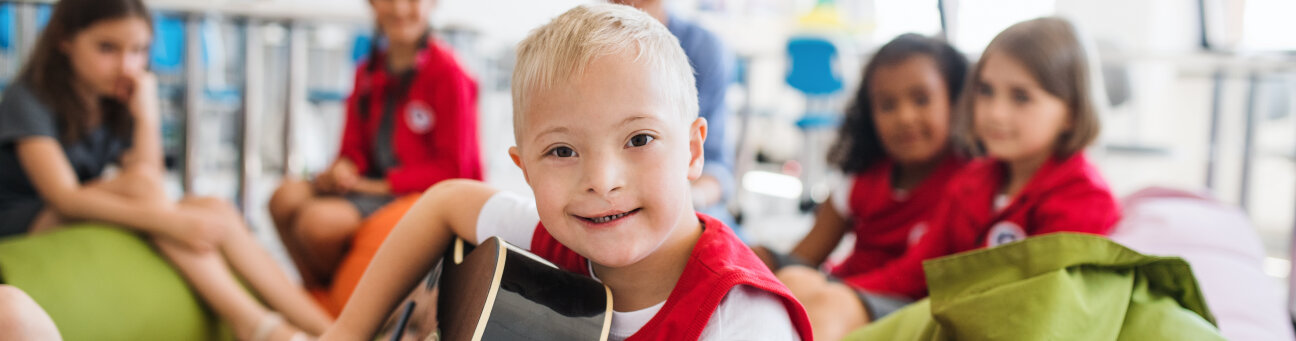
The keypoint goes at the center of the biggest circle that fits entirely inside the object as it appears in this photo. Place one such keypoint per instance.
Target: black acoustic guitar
(497, 291)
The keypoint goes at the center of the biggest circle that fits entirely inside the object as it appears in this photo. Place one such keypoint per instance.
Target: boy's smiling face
(610, 157)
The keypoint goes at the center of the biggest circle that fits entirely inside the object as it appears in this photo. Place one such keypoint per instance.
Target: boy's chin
(616, 257)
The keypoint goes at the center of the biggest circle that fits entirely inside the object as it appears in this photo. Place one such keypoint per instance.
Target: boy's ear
(517, 160)
(697, 154)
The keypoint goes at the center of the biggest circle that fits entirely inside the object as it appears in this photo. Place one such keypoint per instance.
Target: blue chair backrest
(167, 52)
(811, 69)
(7, 28)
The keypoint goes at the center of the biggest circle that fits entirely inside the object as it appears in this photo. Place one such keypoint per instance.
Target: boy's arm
(446, 210)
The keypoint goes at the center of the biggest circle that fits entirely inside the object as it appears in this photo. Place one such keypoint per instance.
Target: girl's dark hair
(858, 145)
(49, 73)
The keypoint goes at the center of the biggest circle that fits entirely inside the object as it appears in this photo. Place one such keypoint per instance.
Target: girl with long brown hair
(85, 100)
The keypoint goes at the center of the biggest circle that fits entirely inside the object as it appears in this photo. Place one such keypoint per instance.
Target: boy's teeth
(601, 220)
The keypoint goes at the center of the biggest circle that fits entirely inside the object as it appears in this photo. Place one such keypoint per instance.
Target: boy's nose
(603, 176)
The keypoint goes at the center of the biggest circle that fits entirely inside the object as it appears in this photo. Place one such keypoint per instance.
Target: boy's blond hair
(560, 50)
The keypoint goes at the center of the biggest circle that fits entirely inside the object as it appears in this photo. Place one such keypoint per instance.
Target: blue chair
(811, 72)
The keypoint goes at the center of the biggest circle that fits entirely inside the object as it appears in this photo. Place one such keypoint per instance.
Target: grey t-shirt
(22, 115)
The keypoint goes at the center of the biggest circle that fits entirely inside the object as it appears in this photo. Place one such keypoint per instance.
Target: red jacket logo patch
(1003, 233)
(418, 117)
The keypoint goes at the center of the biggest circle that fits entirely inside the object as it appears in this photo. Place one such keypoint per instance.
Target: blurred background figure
(411, 121)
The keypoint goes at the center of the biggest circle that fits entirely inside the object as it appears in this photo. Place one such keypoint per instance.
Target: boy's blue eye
(562, 152)
(639, 140)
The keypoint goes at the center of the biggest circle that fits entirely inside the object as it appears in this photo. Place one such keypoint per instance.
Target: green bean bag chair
(1061, 286)
(100, 282)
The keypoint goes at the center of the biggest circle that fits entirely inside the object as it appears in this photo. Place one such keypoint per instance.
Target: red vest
(886, 225)
(435, 125)
(719, 262)
(1064, 195)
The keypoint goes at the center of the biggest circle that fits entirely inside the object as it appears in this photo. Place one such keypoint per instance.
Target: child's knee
(836, 299)
(288, 198)
(216, 205)
(139, 184)
(17, 307)
(800, 279)
(11, 297)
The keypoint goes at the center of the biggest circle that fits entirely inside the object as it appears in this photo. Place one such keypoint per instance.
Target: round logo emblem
(418, 116)
(1004, 233)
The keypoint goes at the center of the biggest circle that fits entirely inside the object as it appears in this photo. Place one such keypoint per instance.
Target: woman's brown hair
(49, 73)
(1051, 49)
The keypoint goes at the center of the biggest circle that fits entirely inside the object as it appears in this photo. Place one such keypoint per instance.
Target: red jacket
(435, 124)
(1063, 195)
(887, 225)
(719, 262)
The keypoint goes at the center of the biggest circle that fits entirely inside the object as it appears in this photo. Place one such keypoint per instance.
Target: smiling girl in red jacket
(895, 145)
(1030, 109)
(410, 123)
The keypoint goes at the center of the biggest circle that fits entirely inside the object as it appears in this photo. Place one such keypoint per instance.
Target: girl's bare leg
(254, 264)
(291, 196)
(208, 276)
(324, 228)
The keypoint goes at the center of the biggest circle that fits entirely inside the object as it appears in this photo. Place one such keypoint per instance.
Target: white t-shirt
(746, 313)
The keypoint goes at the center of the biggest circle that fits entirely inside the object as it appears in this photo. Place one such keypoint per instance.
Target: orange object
(364, 245)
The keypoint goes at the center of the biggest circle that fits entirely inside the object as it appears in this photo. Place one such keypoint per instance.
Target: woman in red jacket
(410, 123)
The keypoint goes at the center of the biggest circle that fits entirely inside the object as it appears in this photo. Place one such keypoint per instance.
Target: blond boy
(608, 138)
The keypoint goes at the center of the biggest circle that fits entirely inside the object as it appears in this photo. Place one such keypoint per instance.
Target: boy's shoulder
(719, 264)
(748, 313)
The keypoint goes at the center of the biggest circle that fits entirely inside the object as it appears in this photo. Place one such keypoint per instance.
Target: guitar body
(497, 291)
